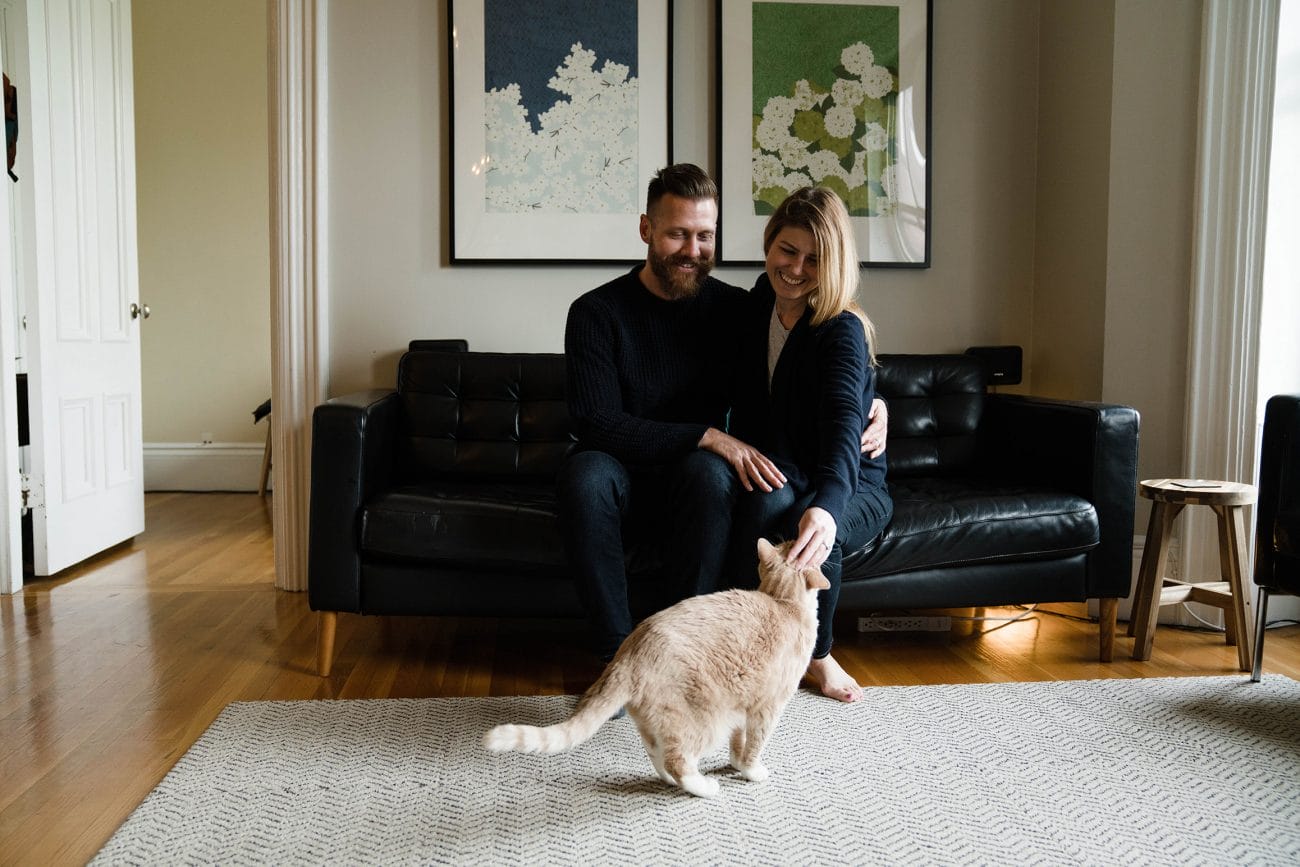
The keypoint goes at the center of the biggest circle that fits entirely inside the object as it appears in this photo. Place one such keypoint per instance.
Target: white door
(82, 338)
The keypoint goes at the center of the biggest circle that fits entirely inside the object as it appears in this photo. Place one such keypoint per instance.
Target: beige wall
(201, 172)
(1062, 143)
(1074, 102)
(1149, 247)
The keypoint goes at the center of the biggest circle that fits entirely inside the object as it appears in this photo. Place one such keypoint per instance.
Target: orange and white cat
(710, 667)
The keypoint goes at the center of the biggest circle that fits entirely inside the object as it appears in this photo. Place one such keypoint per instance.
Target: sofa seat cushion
(499, 524)
(950, 522)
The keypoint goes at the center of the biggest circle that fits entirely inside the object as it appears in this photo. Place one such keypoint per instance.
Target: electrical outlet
(904, 624)
(206, 438)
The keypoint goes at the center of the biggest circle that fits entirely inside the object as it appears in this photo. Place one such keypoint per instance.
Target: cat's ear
(766, 551)
(815, 580)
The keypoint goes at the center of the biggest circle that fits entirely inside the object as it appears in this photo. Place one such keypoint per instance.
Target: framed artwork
(833, 93)
(560, 116)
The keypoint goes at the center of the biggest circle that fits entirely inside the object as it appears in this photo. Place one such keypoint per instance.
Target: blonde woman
(807, 384)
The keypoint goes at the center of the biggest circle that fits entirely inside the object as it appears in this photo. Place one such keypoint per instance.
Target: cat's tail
(605, 698)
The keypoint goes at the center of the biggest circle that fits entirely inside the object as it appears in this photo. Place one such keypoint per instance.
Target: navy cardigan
(811, 421)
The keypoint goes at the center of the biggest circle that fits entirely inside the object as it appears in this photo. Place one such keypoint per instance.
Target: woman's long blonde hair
(821, 212)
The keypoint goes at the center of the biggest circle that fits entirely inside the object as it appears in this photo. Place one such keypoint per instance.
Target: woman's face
(792, 264)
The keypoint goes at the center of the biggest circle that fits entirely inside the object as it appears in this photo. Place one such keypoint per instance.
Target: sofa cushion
(483, 415)
(495, 524)
(950, 522)
(935, 406)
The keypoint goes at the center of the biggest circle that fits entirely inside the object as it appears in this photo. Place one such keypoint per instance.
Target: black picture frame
(846, 129)
(577, 200)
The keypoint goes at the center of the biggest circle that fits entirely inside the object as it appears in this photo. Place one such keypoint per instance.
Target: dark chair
(1277, 517)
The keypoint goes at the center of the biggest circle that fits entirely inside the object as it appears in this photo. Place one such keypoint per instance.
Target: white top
(777, 334)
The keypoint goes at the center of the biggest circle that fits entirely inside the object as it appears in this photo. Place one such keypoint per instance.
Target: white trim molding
(1238, 58)
(298, 310)
(203, 466)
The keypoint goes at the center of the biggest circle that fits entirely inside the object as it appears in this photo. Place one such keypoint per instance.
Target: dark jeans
(775, 516)
(683, 509)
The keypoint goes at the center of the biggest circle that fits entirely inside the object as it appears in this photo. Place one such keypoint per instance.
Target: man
(650, 360)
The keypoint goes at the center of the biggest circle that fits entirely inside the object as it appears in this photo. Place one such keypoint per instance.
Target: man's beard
(675, 284)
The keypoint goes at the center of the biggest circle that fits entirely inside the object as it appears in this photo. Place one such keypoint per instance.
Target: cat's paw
(700, 786)
(755, 773)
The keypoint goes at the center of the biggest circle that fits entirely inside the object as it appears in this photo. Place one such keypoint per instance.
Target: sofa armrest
(353, 445)
(1087, 449)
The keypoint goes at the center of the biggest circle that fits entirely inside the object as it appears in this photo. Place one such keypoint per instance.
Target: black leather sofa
(436, 498)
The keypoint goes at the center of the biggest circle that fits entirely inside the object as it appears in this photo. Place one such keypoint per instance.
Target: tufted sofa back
(477, 414)
(483, 414)
(935, 405)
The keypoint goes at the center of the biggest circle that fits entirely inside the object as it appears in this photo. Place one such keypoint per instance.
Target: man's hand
(813, 544)
(751, 465)
(873, 438)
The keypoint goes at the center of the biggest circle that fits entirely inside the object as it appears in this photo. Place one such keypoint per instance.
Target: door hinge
(33, 493)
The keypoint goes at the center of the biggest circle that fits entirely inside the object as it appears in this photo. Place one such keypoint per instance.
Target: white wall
(203, 212)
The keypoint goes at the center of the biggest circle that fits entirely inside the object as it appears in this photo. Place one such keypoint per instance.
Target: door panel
(86, 454)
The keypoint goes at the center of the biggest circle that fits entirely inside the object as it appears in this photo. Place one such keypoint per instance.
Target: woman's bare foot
(833, 680)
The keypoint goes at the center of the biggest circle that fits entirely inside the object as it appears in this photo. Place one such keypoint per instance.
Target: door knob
(139, 311)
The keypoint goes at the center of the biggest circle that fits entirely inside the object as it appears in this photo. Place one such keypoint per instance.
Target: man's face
(680, 236)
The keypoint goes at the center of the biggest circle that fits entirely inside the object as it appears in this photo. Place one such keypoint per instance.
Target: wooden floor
(110, 671)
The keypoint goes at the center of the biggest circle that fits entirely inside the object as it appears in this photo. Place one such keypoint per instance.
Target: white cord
(1208, 625)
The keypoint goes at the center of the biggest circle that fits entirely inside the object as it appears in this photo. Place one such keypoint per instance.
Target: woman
(808, 383)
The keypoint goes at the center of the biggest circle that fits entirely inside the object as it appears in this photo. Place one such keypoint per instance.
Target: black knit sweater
(647, 377)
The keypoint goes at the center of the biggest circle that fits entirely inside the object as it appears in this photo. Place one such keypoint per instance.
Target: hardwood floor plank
(111, 670)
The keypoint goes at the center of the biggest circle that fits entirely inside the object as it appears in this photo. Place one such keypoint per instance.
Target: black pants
(683, 508)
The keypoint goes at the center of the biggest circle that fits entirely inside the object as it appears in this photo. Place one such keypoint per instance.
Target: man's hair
(685, 180)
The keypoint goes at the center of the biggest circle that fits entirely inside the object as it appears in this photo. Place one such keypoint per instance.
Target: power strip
(904, 624)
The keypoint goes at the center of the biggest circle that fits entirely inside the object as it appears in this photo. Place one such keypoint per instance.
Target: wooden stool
(1227, 499)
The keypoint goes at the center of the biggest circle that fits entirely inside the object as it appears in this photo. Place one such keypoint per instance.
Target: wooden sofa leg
(327, 622)
(1109, 609)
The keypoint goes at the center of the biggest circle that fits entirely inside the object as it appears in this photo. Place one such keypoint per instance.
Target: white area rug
(1162, 771)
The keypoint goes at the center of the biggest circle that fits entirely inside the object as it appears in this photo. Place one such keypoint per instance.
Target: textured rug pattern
(1159, 771)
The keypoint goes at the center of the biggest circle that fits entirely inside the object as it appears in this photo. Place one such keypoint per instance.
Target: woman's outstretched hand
(813, 544)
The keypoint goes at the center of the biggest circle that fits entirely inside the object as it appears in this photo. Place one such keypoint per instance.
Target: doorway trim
(299, 317)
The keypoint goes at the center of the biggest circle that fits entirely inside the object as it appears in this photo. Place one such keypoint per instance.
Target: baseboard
(202, 466)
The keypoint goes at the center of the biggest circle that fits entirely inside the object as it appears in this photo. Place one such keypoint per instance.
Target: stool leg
(1155, 557)
(1232, 547)
(1140, 595)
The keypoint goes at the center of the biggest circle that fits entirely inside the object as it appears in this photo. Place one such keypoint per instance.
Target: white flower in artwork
(824, 164)
(877, 82)
(772, 133)
(856, 176)
(767, 169)
(794, 154)
(858, 58)
(876, 138)
(794, 181)
(847, 92)
(801, 138)
(582, 158)
(840, 121)
(804, 98)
